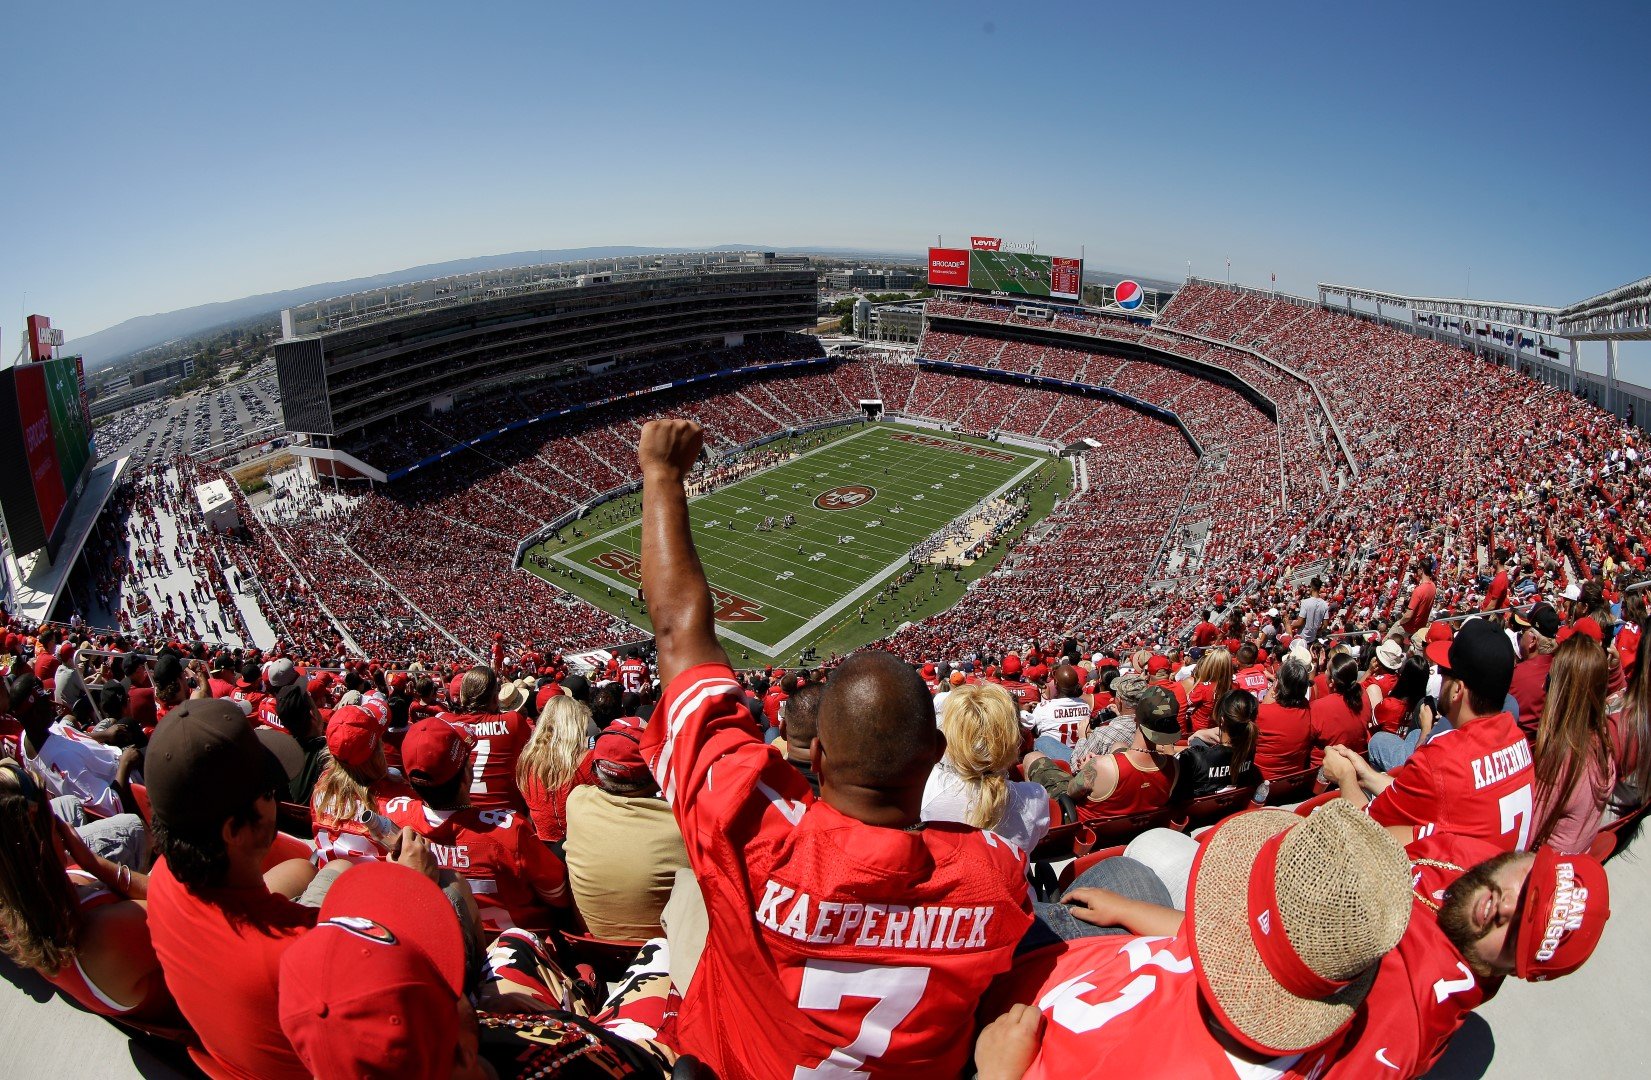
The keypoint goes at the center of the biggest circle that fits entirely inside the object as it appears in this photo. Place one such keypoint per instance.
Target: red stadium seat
(1288, 789)
(1120, 829)
(1209, 809)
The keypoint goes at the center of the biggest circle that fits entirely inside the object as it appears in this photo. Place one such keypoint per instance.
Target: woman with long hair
(1406, 717)
(346, 805)
(1631, 733)
(75, 918)
(971, 782)
(553, 763)
(1341, 717)
(1282, 721)
(1208, 766)
(1211, 681)
(1573, 758)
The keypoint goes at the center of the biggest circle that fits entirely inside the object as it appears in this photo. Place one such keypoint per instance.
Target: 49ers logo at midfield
(731, 607)
(848, 497)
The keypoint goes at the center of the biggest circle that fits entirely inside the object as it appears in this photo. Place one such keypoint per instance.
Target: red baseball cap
(1589, 627)
(353, 734)
(453, 687)
(1011, 664)
(435, 750)
(1157, 663)
(1439, 637)
(1566, 901)
(373, 989)
(546, 692)
(617, 754)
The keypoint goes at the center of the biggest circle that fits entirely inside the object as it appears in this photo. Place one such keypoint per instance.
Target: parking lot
(206, 422)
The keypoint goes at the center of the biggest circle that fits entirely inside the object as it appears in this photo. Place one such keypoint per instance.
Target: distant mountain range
(146, 331)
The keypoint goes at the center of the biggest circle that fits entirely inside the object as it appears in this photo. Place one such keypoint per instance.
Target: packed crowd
(301, 869)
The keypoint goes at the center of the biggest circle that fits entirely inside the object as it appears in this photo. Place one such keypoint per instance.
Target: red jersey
(1254, 679)
(835, 947)
(1281, 739)
(1474, 781)
(220, 952)
(11, 737)
(771, 703)
(1331, 723)
(1025, 694)
(515, 877)
(265, 714)
(1128, 1006)
(350, 839)
(1139, 790)
(500, 738)
(1423, 989)
(1497, 594)
(1627, 644)
(1201, 706)
(633, 674)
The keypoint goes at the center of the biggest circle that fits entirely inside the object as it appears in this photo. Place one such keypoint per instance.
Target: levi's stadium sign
(986, 243)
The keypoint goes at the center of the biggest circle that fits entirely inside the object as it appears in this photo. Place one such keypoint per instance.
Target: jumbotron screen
(43, 422)
(984, 266)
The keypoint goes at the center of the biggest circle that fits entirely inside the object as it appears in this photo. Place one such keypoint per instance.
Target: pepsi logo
(1128, 294)
(848, 497)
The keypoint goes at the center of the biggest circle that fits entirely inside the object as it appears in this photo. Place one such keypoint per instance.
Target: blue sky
(177, 154)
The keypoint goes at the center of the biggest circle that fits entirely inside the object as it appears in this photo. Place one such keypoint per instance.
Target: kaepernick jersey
(515, 877)
(1423, 989)
(500, 738)
(633, 674)
(1065, 719)
(836, 948)
(1474, 781)
(1129, 1006)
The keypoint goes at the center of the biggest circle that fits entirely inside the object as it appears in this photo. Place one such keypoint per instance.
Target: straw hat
(1289, 919)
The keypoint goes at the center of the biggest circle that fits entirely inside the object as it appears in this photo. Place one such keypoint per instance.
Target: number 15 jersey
(836, 948)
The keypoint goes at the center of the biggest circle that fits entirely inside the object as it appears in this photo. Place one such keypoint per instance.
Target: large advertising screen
(43, 424)
(984, 266)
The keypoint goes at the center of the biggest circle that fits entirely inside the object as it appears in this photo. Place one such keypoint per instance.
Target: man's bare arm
(679, 600)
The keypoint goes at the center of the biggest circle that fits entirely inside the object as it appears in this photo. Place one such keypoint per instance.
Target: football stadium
(686, 662)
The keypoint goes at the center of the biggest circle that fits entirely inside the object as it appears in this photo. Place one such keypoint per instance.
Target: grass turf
(780, 591)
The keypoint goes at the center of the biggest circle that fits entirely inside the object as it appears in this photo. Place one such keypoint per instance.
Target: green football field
(1006, 271)
(861, 503)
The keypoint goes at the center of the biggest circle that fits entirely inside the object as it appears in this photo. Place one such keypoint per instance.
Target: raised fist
(669, 449)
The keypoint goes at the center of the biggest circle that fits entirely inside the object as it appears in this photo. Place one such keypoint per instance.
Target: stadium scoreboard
(988, 265)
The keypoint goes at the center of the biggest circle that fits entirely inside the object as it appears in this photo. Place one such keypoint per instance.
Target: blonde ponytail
(982, 732)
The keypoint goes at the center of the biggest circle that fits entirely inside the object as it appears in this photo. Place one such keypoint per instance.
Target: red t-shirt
(1205, 634)
(1421, 602)
(771, 703)
(1474, 781)
(1025, 694)
(515, 877)
(1331, 723)
(1628, 648)
(829, 938)
(549, 809)
(1125, 1006)
(1423, 989)
(220, 952)
(500, 738)
(1282, 737)
(1201, 706)
(1497, 594)
(1178, 692)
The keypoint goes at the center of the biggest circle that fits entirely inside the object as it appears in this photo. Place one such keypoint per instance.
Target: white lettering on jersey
(928, 926)
(1498, 765)
(482, 728)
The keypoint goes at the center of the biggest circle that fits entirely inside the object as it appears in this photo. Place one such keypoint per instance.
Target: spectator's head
(38, 910)
(1157, 720)
(479, 690)
(983, 741)
(1295, 675)
(513, 696)
(168, 679)
(877, 740)
(800, 720)
(212, 789)
(1344, 680)
(577, 687)
(1235, 718)
(788, 684)
(32, 704)
(1128, 690)
(377, 987)
(1478, 673)
(604, 703)
(297, 712)
(554, 750)
(1068, 683)
(1289, 919)
(1216, 668)
(1246, 654)
(1537, 916)
(1390, 655)
(616, 759)
(434, 755)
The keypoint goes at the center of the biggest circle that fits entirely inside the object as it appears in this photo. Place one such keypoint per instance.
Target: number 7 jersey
(836, 948)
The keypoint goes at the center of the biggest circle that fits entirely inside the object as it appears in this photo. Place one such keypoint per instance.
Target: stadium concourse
(1303, 565)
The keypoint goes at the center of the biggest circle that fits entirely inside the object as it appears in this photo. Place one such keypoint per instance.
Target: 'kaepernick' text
(886, 926)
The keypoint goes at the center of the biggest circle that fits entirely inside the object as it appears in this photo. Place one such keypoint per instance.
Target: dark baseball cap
(1156, 714)
(204, 764)
(1481, 658)
(168, 669)
(1542, 618)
